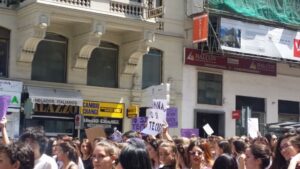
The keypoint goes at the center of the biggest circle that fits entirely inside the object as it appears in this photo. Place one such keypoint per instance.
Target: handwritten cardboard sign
(94, 132)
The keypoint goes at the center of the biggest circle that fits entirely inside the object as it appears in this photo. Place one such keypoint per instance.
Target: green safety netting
(282, 11)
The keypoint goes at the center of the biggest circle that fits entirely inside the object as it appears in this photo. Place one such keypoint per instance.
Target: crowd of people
(137, 151)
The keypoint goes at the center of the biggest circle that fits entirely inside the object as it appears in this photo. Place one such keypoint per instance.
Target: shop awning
(54, 96)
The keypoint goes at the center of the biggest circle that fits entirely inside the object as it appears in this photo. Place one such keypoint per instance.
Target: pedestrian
(16, 156)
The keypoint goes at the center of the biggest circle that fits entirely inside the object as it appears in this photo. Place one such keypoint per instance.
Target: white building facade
(75, 54)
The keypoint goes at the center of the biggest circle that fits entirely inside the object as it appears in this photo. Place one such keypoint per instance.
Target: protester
(134, 156)
(5, 139)
(223, 147)
(295, 160)
(225, 161)
(16, 156)
(105, 155)
(258, 156)
(238, 148)
(51, 147)
(199, 155)
(182, 144)
(167, 155)
(86, 151)
(66, 153)
(152, 148)
(35, 138)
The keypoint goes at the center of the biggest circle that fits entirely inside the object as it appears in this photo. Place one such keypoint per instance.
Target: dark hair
(49, 147)
(36, 134)
(134, 155)
(70, 151)
(129, 134)
(19, 152)
(279, 161)
(225, 161)
(295, 141)
(262, 152)
(225, 146)
(239, 145)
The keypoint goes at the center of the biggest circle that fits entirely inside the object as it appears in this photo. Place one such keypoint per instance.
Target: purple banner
(138, 123)
(230, 62)
(4, 102)
(172, 117)
(189, 133)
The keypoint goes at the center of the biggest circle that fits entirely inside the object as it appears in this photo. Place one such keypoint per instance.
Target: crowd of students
(136, 151)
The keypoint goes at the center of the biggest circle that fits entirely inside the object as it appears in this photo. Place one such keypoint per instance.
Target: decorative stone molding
(136, 92)
(31, 34)
(135, 50)
(86, 44)
(172, 92)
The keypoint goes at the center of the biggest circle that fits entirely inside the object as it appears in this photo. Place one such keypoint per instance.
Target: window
(139, 1)
(209, 88)
(152, 68)
(50, 60)
(53, 126)
(4, 51)
(288, 111)
(253, 107)
(103, 66)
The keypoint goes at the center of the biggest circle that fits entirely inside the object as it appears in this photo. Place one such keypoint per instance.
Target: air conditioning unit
(194, 7)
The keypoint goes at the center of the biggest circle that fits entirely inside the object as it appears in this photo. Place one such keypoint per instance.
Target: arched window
(103, 66)
(50, 60)
(4, 51)
(152, 68)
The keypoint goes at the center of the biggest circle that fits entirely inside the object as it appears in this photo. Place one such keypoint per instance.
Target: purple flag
(4, 102)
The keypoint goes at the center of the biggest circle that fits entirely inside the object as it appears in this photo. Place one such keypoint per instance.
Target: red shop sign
(236, 114)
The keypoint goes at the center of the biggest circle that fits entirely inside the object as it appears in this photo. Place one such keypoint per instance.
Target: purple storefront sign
(138, 123)
(189, 132)
(229, 62)
(172, 117)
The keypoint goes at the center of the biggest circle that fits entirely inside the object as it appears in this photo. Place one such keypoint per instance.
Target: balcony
(120, 8)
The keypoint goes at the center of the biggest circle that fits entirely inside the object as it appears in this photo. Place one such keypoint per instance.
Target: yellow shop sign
(90, 108)
(113, 110)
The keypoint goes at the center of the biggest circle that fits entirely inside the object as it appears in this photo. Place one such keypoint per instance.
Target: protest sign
(156, 120)
(189, 132)
(172, 117)
(208, 130)
(94, 132)
(139, 123)
(4, 102)
(161, 104)
(253, 127)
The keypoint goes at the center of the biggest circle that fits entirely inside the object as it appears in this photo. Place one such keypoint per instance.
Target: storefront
(226, 83)
(14, 90)
(106, 114)
(53, 109)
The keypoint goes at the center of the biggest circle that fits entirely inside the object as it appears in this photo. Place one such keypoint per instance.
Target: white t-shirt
(45, 162)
